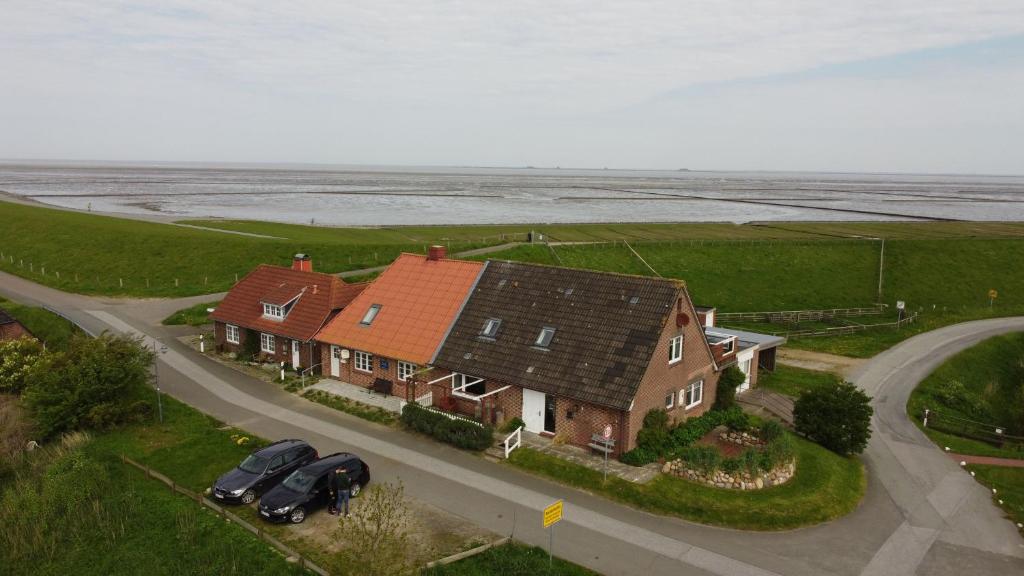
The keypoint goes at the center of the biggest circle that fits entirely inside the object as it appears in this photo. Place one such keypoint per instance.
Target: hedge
(656, 440)
(458, 433)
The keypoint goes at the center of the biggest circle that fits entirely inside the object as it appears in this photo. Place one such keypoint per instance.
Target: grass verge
(192, 316)
(53, 330)
(510, 560)
(792, 380)
(1009, 482)
(825, 487)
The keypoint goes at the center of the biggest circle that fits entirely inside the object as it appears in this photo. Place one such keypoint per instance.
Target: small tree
(377, 533)
(97, 383)
(838, 417)
(725, 393)
(17, 360)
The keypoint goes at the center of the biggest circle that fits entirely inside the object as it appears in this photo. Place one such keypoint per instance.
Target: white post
(202, 344)
(282, 371)
(926, 411)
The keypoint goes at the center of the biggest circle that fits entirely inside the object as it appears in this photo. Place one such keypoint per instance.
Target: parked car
(262, 470)
(306, 489)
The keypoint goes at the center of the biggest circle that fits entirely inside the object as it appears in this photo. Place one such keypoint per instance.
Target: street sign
(900, 304)
(552, 513)
(607, 433)
(993, 293)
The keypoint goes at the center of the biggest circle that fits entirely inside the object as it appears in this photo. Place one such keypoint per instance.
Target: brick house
(11, 329)
(571, 351)
(396, 326)
(281, 309)
(751, 352)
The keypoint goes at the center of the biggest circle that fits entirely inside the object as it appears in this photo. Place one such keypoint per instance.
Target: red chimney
(302, 262)
(437, 253)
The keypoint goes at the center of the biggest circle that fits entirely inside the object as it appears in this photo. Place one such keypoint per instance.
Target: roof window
(545, 336)
(491, 327)
(370, 315)
(634, 299)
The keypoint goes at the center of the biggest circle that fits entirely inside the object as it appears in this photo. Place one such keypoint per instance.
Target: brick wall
(349, 374)
(308, 352)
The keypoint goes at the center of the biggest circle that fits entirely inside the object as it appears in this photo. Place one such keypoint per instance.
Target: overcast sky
(895, 85)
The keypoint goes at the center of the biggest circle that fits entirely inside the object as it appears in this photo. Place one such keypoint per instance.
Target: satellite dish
(682, 319)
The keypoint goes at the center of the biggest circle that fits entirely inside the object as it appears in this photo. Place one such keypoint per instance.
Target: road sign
(900, 304)
(607, 433)
(552, 513)
(993, 293)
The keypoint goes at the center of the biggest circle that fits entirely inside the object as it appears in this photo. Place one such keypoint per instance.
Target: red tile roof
(320, 295)
(419, 300)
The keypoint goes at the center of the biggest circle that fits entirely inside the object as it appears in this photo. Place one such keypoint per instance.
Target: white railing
(510, 445)
(427, 399)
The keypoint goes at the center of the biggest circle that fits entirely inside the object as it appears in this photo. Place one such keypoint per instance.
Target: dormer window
(370, 315)
(545, 336)
(491, 327)
(273, 311)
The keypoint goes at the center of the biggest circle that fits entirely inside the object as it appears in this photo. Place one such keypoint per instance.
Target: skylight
(491, 327)
(634, 299)
(370, 314)
(545, 336)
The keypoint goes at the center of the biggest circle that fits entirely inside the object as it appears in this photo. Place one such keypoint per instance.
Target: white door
(295, 354)
(335, 361)
(533, 410)
(744, 364)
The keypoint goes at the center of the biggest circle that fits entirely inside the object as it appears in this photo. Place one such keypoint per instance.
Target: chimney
(302, 262)
(437, 253)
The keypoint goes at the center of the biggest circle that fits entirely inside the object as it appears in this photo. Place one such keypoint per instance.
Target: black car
(306, 489)
(262, 470)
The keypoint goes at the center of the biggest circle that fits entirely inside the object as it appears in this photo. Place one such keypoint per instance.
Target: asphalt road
(922, 514)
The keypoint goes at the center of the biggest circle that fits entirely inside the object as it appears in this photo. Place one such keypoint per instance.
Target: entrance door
(295, 354)
(549, 413)
(335, 361)
(745, 368)
(533, 410)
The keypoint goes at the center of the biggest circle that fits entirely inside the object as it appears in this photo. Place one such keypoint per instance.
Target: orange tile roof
(419, 301)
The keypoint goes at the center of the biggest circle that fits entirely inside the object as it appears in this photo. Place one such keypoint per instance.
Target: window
(692, 394)
(276, 463)
(370, 315)
(405, 369)
(267, 343)
(728, 346)
(232, 334)
(670, 400)
(545, 336)
(273, 311)
(675, 350)
(364, 361)
(491, 328)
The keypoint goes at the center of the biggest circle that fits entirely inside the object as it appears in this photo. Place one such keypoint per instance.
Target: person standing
(341, 486)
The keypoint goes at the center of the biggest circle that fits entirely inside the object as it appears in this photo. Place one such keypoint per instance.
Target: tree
(725, 393)
(17, 359)
(838, 417)
(97, 384)
(377, 533)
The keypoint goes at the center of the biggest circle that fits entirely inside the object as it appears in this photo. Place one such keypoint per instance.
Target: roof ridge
(675, 281)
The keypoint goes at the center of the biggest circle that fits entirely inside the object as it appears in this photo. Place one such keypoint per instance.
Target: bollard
(202, 344)
(926, 412)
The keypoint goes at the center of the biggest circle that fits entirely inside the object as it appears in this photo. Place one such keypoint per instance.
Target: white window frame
(675, 349)
(231, 334)
(670, 401)
(491, 327)
(371, 314)
(405, 370)
(697, 386)
(362, 361)
(266, 339)
(273, 311)
(540, 341)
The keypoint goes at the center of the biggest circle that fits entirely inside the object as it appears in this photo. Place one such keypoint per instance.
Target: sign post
(900, 307)
(552, 514)
(607, 435)
(992, 295)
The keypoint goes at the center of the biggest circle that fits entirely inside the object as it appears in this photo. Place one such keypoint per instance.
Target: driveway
(922, 515)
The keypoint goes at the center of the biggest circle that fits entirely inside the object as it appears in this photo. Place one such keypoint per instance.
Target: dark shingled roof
(606, 328)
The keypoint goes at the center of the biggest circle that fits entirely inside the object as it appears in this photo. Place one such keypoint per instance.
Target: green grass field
(1009, 483)
(985, 384)
(192, 316)
(793, 381)
(53, 330)
(510, 560)
(826, 486)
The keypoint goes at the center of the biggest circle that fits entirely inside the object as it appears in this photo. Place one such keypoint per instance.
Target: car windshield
(253, 464)
(299, 481)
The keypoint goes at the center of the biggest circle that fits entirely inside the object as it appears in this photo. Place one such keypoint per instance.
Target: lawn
(825, 487)
(793, 381)
(982, 384)
(510, 560)
(53, 330)
(197, 315)
(1009, 483)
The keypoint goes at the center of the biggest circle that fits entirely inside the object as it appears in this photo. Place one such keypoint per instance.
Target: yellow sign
(552, 513)
(993, 293)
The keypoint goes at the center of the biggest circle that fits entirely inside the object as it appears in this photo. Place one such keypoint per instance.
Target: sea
(406, 195)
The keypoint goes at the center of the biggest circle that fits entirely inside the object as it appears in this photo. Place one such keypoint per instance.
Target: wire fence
(221, 511)
(846, 329)
(993, 434)
(800, 315)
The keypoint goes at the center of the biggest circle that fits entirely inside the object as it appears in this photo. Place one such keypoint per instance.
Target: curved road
(922, 514)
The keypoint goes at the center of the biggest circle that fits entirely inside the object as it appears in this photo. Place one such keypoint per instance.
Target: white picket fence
(511, 445)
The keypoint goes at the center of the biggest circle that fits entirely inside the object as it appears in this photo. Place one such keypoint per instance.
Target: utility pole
(881, 267)
(156, 370)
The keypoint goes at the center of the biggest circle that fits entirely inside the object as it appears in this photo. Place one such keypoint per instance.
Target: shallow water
(409, 195)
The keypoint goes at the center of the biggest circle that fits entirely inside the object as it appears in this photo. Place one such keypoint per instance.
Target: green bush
(736, 419)
(510, 425)
(638, 457)
(655, 440)
(17, 360)
(656, 418)
(707, 459)
(459, 433)
(769, 431)
(725, 392)
(837, 417)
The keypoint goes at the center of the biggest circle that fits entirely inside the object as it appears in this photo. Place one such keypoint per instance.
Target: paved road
(922, 515)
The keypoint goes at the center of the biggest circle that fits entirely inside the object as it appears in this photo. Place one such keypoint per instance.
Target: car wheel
(248, 496)
(297, 515)
(355, 489)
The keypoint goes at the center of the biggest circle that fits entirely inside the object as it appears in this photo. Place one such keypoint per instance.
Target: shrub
(250, 346)
(751, 461)
(731, 465)
(638, 457)
(656, 418)
(769, 431)
(707, 459)
(510, 425)
(17, 359)
(459, 433)
(725, 392)
(736, 419)
(655, 440)
(838, 417)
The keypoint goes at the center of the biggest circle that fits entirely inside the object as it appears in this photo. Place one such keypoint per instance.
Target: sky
(931, 86)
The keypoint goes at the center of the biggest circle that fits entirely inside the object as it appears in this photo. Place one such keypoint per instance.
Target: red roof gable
(419, 299)
(319, 296)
